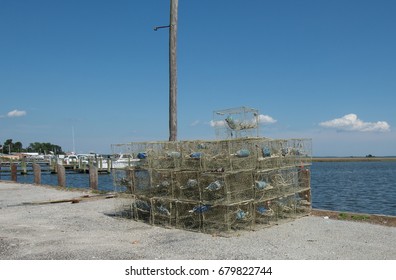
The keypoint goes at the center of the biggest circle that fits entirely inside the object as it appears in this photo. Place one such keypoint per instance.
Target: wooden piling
(61, 175)
(24, 167)
(93, 177)
(13, 172)
(108, 165)
(53, 165)
(37, 173)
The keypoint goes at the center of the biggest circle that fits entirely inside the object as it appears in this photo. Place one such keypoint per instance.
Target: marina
(76, 163)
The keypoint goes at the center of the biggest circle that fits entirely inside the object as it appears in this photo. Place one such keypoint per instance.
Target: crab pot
(304, 178)
(222, 185)
(228, 217)
(244, 153)
(269, 154)
(139, 151)
(216, 156)
(191, 163)
(166, 162)
(122, 180)
(238, 122)
(265, 212)
(142, 209)
(186, 185)
(227, 187)
(162, 182)
(124, 208)
(164, 155)
(297, 152)
(265, 186)
(189, 215)
(141, 181)
(286, 179)
(303, 203)
(163, 212)
(268, 162)
(192, 155)
(285, 206)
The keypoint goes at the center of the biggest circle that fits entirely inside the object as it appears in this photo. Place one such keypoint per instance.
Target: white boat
(124, 160)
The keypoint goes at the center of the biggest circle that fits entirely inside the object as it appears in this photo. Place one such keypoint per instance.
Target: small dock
(26, 167)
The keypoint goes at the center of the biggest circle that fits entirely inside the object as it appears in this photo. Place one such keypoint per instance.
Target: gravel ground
(92, 230)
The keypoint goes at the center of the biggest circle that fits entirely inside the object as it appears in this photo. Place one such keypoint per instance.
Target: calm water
(367, 187)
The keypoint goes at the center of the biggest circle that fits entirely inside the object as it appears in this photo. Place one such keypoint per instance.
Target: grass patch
(360, 217)
(346, 216)
(343, 216)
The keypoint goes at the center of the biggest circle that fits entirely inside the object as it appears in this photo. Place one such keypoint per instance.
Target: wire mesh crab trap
(270, 154)
(216, 156)
(265, 212)
(286, 179)
(189, 215)
(265, 185)
(186, 185)
(164, 155)
(163, 212)
(303, 203)
(162, 183)
(296, 152)
(192, 155)
(122, 181)
(228, 187)
(219, 185)
(244, 153)
(236, 123)
(304, 178)
(151, 182)
(228, 217)
(291, 206)
(141, 209)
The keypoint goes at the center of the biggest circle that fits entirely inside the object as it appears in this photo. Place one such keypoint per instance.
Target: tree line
(10, 147)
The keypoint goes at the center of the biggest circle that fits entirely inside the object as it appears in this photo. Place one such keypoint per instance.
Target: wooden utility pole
(173, 71)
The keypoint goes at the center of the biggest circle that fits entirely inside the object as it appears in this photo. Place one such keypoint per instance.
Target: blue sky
(317, 69)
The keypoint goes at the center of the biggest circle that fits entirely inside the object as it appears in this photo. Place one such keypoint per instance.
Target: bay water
(364, 187)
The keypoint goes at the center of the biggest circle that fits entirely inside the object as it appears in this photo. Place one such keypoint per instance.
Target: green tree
(17, 147)
(8, 146)
(44, 148)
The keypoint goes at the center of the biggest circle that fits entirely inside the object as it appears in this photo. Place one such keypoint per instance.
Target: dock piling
(37, 173)
(14, 172)
(23, 166)
(61, 175)
(93, 177)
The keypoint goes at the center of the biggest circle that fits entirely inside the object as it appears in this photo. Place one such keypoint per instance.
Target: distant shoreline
(351, 159)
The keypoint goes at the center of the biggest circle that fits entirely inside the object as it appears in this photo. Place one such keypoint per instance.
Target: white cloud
(217, 123)
(263, 119)
(16, 113)
(195, 123)
(351, 122)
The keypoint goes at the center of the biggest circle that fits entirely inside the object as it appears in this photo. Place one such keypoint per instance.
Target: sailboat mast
(74, 144)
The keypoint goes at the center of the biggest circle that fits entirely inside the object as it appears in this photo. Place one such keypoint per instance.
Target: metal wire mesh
(218, 185)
